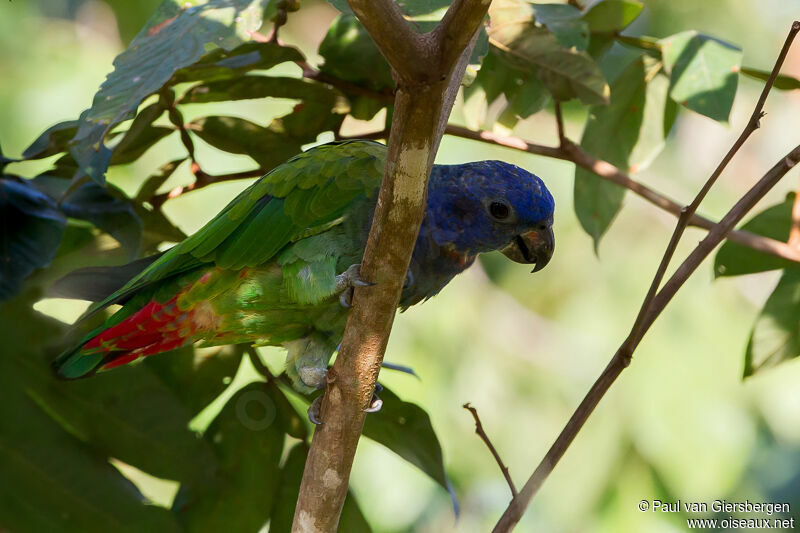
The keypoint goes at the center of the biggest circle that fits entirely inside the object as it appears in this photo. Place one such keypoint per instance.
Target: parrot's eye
(499, 210)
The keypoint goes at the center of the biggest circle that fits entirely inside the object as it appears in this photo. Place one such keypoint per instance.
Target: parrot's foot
(346, 281)
(375, 405)
(400, 368)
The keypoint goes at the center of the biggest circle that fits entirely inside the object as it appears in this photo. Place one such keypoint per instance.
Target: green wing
(308, 194)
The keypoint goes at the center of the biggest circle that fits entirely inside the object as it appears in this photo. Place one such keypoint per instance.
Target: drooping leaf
(239, 136)
(774, 222)
(776, 334)
(612, 15)
(782, 81)
(285, 500)
(406, 429)
(53, 140)
(157, 227)
(703, 72)
(31, 227)
(656, 122)
(610, 134)
(96, 204)
(140, 136)
(248, 445)
(177, 35)
(566, 72)
(247, 87)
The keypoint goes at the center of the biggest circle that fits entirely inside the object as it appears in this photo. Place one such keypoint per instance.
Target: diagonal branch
(656, 300)
(621, 358)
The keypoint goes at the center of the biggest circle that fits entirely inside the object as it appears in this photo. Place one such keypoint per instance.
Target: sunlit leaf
(177, 35)
(248, 444)
(612, 15)
(611, 134)
(775, 222)
(223, 64)
(776, 334)
(703, 72)
(247, 87)
(566, 72)
(31, 226)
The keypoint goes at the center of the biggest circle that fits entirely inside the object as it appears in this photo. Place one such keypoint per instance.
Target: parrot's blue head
(491, 205)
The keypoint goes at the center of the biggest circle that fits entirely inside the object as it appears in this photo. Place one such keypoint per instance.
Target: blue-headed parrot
(276, 266)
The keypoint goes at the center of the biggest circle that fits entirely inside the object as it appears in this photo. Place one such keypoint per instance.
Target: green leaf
(611, 134)
(612, 15)
(406, 429)
(285, 502)
(140, 136)
(128, 414)
(782, 81)
(268, 146)
(196, 378)
(656, 122)
(566, 72)
(351, 55)
(52, 482)
(105, 207)
(776, 334)
(703, 72)
(176, 36)
(565, 22)
(248, 444)
(229, 64)
(247, 87)
(55, 139)
(31, 227)
(775, 222)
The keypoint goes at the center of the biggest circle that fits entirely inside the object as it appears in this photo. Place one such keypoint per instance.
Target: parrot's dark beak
(534, 247)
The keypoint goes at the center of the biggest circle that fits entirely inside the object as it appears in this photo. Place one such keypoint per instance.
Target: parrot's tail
(155, 328)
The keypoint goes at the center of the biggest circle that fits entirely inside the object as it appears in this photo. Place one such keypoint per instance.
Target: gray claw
(346, 298)
(376, 403)
(313, 410)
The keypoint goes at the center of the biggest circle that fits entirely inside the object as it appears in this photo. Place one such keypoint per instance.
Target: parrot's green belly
(254, 306)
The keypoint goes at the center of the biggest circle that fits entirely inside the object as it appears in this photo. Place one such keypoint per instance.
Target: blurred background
(679, 424)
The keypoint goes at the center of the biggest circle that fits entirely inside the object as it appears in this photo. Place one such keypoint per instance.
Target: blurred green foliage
(191, 97)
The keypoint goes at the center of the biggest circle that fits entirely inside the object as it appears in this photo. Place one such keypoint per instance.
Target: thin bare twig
(656, 300)
(202, 180)
(482, 434)
(562, 138)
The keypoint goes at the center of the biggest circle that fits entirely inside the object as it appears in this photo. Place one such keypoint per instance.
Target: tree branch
(656, 300)
(426, 90)
(482, 434)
